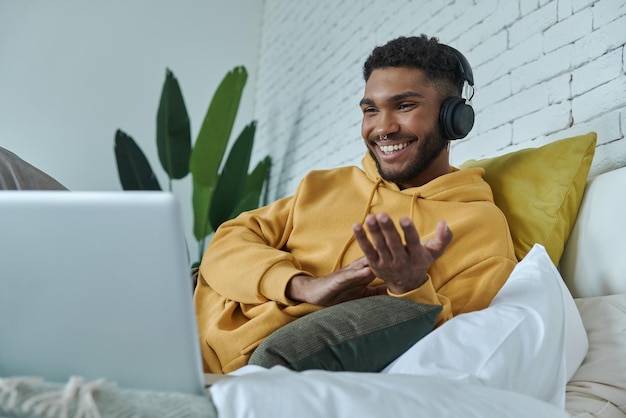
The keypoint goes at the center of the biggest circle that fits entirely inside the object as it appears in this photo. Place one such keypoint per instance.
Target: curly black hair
(436, 60)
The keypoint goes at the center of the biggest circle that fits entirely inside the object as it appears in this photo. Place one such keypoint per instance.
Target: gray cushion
(359, 335)
(17, 174)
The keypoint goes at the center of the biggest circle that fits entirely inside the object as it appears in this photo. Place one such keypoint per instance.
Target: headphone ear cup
(456, 118)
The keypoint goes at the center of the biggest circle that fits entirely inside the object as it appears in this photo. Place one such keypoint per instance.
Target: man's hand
(402, 267)
(350, 282)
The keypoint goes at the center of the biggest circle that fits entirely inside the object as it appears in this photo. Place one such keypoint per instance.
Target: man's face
(400, 104)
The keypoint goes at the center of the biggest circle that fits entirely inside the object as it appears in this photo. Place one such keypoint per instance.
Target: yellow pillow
(539, 190)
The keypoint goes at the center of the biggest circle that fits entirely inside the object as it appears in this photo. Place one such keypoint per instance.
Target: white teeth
(388, 149)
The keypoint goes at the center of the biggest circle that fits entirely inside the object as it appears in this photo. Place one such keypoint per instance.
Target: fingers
(435, 246)
(357, 264)
(410, 233)
(385, 239)
(391, 239)
(386, 243)
(349, 282)
(443, 237)
(402, 265)
(364, 243)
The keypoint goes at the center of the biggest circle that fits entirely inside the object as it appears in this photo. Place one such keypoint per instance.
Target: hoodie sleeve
(472, 289)
(244, 261)
(427, 294)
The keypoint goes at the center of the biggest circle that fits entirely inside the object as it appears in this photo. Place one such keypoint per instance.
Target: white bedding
(508, 360)
(279, 392)
(598, 388)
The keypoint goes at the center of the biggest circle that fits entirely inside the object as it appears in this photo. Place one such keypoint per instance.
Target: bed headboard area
(594, 259)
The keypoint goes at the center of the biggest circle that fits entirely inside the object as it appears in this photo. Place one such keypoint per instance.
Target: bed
(551, 344)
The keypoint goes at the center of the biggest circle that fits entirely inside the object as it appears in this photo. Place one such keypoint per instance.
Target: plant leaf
(173, 132)
(201, 201)
(133, 167)
(232, 180)
(254, 186)
(208, 151)
(257, 179)
(248, 202)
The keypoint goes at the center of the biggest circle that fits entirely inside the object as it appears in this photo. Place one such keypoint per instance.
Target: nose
(386, 124)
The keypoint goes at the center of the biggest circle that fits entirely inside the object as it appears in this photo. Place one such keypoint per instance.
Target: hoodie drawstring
(362, 221)
(414, 200)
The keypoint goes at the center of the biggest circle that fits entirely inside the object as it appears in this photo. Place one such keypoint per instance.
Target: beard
(429, 148)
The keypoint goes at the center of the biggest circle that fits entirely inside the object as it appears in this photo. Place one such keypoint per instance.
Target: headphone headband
(464, 66)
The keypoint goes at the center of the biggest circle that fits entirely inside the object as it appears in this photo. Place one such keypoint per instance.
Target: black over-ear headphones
(456, 116)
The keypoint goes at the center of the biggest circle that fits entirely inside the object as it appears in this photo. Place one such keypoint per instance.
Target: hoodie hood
(465, 185)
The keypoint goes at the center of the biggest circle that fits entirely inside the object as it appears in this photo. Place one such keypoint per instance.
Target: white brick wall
(544, 70)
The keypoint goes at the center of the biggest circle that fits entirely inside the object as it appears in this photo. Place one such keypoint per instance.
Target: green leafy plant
(216, 195)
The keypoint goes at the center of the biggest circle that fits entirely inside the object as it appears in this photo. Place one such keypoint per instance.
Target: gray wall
(74, 71)
(544, 69)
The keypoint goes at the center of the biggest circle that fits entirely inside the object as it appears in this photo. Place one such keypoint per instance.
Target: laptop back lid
(97, 284)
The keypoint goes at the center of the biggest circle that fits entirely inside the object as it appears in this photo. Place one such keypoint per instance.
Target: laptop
(97, 285)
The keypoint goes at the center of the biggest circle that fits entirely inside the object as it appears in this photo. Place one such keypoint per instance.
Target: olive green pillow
(360, 335)
(539, 190)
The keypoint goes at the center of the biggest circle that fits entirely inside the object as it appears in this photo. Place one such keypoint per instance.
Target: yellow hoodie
(240, 297)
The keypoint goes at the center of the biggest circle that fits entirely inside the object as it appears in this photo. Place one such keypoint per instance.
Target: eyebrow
(394, 98)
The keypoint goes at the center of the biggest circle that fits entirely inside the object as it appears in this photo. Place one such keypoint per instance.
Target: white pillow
(529, 340)
(279, 392)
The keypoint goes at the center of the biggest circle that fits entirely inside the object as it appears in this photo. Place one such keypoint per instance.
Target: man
(408, 224)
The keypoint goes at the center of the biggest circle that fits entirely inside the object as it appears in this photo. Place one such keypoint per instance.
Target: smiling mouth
(390, 149)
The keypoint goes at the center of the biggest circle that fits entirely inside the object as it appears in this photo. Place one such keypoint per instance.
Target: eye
(406, 106)
(369, 109)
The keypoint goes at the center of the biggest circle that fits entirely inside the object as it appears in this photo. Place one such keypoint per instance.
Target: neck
(439, 167)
